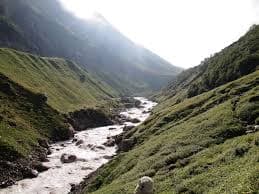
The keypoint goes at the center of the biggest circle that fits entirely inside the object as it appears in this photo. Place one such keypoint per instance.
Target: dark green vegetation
(237, 60)
(201, 137)
(25, 118)
(42, 27)
(67, 86)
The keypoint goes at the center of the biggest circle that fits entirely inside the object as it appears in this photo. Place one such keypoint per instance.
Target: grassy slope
(24, 118)
(67, 86)
(196, 146)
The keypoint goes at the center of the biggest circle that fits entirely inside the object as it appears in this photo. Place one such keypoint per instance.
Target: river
(91, 155)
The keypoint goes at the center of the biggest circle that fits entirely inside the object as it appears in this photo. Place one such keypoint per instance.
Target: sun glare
(84, 9)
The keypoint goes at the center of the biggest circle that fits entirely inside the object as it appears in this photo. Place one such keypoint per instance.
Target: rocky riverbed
(73, 160)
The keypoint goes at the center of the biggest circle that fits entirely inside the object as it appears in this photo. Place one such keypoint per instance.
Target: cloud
(255, 4)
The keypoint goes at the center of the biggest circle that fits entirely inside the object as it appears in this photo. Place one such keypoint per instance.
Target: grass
(67, 86)
(24, 119)
(198, 145)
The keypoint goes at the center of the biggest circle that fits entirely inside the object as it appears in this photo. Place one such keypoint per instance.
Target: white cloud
(182, 31)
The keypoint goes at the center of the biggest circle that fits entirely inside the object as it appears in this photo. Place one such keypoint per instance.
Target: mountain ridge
(101, 49)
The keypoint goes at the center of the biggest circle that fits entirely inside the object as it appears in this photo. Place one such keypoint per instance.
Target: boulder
(145, 186)
(137, 103)
(7, 183)
(88, 118)
(43, 143)
(39, 166)
(112, 128)
(30, 173)
(135, 120)
(43, 156)
(146, 111)
(100, 147)
(79, 142)
(128, 127)
(86, 168)
(109, 143)
(126, 144)
(107, 157)
(129, 105)
(49, 151)
(66, 158)
(71, 131)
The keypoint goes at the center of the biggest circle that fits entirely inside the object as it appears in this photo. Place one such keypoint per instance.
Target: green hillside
(197, 146)
(25, 119)
(67, 86)
(201, 138)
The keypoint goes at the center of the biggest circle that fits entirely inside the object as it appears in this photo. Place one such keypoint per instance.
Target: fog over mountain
(173, 28)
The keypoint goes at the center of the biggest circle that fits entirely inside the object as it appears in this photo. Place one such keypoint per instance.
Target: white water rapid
(91, 154)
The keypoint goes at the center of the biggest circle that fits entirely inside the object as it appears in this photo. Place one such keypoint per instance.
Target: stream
(91, 154)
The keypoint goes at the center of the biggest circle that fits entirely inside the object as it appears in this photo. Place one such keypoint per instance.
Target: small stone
(86, 168)
(109, 143)
(100, 147)
(79, 142)
(107, 157)
(66, 158)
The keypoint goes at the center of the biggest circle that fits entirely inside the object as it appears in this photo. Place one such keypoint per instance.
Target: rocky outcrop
(39, 166)
(30, 173)
(126, 144)
(88, 118)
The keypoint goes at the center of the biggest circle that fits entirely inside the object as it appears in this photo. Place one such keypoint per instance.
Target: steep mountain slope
(66, 85)
(238, 59)
(201, 143)
(46, 29)
(25, 120)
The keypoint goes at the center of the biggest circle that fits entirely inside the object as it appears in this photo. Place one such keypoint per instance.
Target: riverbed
(91, 154)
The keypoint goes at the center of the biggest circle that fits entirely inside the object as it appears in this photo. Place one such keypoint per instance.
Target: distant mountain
(42, 27)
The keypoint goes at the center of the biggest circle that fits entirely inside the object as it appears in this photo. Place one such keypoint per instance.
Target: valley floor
(90, 150)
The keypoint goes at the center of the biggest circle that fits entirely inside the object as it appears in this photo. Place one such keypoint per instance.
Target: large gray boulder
(145, 186)
(66, 158)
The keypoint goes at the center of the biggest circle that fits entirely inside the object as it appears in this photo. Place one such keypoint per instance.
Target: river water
(91, 155)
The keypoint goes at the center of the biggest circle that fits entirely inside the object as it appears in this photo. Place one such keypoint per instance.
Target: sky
(184, 32)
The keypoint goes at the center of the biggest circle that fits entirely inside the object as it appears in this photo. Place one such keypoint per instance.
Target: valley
(91, 153)
(70, 121)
